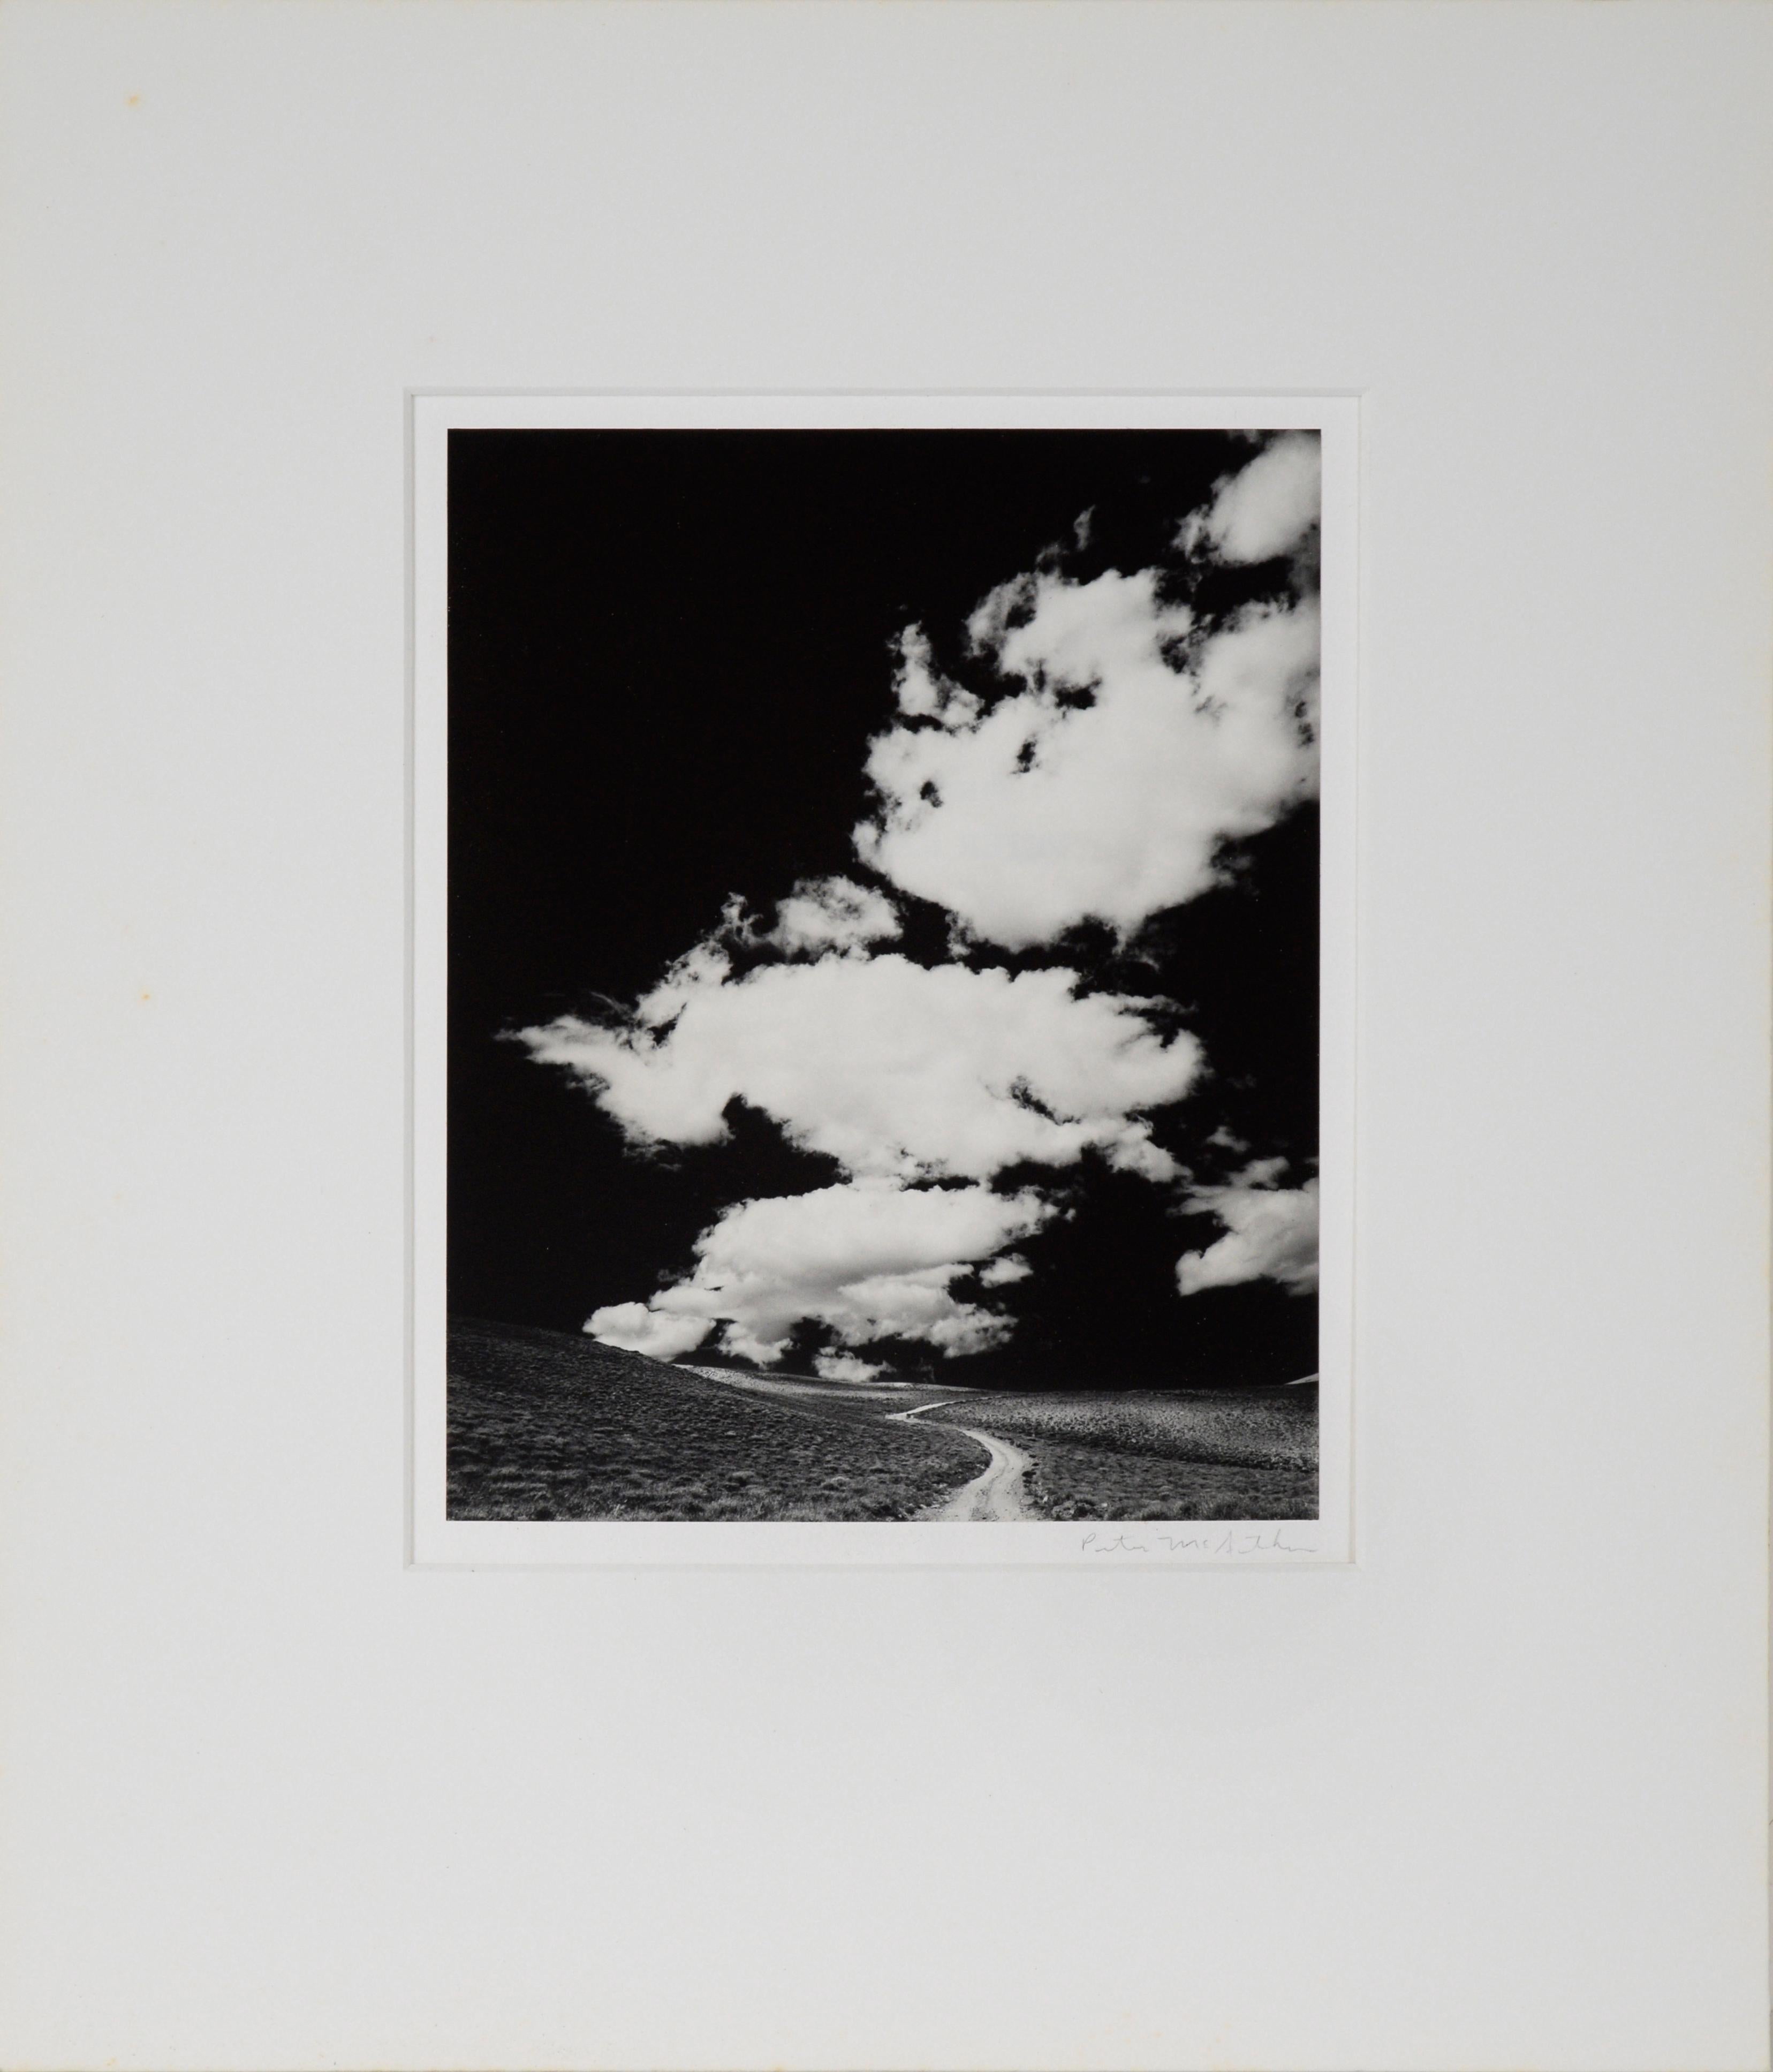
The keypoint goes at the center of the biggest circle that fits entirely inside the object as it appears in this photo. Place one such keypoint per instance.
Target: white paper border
(437, 1540)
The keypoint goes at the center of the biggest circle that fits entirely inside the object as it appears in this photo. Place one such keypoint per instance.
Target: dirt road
(997, 1494)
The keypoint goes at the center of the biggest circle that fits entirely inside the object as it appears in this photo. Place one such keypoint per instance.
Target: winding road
(997, 1493)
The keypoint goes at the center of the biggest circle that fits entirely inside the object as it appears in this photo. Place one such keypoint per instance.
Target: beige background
(1492, 1797)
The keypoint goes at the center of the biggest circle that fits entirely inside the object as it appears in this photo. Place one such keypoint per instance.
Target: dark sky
(668, 651)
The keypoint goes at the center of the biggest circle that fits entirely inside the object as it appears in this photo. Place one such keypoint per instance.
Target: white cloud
(1270, 1233)
(831, 913)
(893, 1068)
(920, 692)
(869, 1261)
(1267, 509)
(845, 1366)
(636, 1328)
(1104, 786)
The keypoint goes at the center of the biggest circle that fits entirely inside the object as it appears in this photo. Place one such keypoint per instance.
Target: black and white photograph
(884, 974)
(841, 844)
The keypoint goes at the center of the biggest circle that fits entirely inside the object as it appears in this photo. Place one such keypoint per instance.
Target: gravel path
(996, 1494)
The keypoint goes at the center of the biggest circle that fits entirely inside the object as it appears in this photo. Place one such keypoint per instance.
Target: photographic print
(882, 949)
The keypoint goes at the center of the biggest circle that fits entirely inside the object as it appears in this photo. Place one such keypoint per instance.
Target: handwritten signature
(1233, 1540)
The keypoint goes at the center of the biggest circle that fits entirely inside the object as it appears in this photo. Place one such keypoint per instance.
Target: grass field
(1094, 1482)
(1185, 1453)
(546, 1426)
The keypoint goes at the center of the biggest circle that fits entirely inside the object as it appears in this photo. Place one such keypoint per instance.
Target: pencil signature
(1231, 1540)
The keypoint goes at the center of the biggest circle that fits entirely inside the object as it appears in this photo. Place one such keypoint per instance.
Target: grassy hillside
(1185, 1453)
(544, 1425)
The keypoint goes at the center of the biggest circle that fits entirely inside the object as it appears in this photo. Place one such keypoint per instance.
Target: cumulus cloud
(1104, 786)
(1269, 508)
(636, 1328)
(845, 1366)
(869, 1260)
(1270, 1233)
(895, 1069)
(831, 913)
(921, 693)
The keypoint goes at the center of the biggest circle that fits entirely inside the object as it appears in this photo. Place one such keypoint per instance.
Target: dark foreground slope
(545, 1425)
